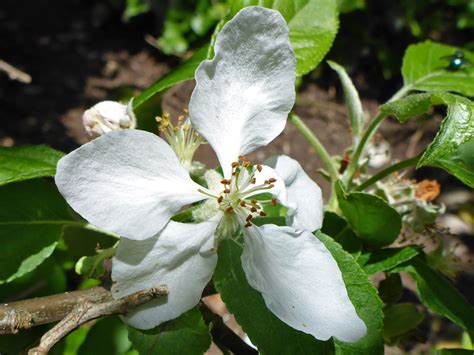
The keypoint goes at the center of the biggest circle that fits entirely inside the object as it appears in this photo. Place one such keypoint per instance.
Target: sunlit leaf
(371, 218)
(425, 68)
(27, 162)
(453, 147)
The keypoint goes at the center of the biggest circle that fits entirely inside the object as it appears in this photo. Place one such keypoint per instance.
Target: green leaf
(453, 147)
(346, 6)
(32, 215)
(107, 336)
(313, 26)
(182, 73)
(407, 107)
(27, 162)
(425, 68)
(438, 294)
(354, 106)
(386, 259)
(93, 266)
(364, 298)
(135, 7)
(339, 230)
(371, 218)
(266, 331)
(186, 334)
(401, 318)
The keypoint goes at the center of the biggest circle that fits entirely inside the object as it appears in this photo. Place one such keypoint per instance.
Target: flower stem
(369, 132)
(317, 146)
(391, 169)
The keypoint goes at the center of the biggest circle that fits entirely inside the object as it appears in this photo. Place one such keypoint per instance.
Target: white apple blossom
(131, 182)
(107, 116)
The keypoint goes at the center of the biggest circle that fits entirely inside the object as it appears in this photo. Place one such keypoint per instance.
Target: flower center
(239, 193)
(182, 137)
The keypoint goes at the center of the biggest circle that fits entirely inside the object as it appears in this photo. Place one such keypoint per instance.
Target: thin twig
(86, 311)
(14, 73)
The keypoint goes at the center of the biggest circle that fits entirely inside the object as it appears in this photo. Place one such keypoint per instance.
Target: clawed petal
(129, 182)
(301, 191)
(300, 282)
(243, 96)
(181, 256)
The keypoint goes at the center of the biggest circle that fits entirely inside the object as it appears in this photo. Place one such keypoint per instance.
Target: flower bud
(108, 116)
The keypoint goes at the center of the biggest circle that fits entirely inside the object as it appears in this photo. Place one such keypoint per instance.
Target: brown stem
(85, 311)
(25, 314)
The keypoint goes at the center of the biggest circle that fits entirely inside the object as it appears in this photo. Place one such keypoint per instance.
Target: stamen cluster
(238, 190)
(182, 137)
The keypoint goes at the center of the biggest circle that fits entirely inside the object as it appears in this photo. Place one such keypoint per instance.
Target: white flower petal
(300, 282)
(243, 95)
(129, 182)
(301, 191)
(181, 256)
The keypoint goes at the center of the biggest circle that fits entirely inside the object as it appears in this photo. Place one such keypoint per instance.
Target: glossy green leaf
(386, 259)
(182, 73)
(313, 26)
(401, 318)
(453, 147)
(438, 294)
(364, 298)
(27, 162)
(187, 334)
(354, 106)
(32, 215)
(408, 107)
(371, 218)
(425, 68)
(265, 330)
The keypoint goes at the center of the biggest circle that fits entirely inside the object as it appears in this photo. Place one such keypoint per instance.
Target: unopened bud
(108, 116)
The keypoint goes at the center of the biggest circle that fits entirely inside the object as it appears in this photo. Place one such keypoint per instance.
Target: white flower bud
(108, 116)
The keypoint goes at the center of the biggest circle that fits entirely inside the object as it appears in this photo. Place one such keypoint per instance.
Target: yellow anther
(246, 164)
(242, 157)
(235, 164)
